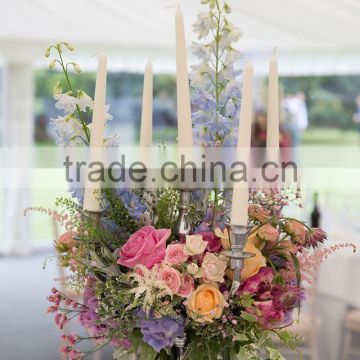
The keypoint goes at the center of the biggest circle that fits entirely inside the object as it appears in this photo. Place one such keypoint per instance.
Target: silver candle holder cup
(238, 235)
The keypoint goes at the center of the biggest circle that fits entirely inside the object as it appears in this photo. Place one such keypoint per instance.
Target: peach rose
(213, 268)
(259, 213)
(254, 264)
(187, 286)
(174, 254)
(170, 277)
(225, 241)
(267, 232)
(194, 245)
(206, 303)
(296, 229)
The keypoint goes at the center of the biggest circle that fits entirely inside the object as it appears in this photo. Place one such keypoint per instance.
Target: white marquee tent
(312, 37)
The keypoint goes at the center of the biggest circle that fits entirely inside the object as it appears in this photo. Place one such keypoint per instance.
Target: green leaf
(274, 354)
(248, 317)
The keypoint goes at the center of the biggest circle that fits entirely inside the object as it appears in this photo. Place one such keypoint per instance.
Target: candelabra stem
(179, 344)
(238, 239)
(183, 224)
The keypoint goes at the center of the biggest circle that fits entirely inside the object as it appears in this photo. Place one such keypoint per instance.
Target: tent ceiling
(312, 36)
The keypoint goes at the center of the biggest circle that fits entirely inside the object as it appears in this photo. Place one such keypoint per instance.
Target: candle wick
(275, 50)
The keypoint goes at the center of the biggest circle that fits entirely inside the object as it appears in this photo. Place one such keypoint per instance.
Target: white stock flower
(84, 101)
(232, 55)
(202, 25)
(201, 75)
(66, 102)
(202, 51)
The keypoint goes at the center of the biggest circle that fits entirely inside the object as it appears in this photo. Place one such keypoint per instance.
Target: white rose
(195, 245)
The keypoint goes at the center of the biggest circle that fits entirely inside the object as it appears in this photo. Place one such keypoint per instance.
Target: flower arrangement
(147, 290)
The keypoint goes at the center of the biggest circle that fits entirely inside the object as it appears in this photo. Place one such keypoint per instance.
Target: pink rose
(174, 254)
(145, 247)
(267, 232)
(170, 277)
(187, 286)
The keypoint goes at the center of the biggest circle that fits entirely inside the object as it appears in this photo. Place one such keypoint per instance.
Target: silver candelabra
(183, 224)
(238, 238)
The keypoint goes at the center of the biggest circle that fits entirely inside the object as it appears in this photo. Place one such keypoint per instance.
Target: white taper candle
(92, 190)
(147, 108)
(185, 137)
(240, 198)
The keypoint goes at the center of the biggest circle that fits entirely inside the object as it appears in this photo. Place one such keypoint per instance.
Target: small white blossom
(84, 101)
(69, 130)
(66, 102)
(202, 25)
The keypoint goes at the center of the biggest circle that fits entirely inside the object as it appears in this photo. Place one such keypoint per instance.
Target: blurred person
(356, 116)
(296, 116)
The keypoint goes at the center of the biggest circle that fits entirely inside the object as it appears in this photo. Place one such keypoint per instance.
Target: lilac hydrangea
(160, 333)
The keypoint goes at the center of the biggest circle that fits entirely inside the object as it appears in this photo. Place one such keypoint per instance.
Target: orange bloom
(206, 303)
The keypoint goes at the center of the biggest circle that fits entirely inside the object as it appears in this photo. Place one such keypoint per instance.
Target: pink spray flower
(145, 247)
(174, 254)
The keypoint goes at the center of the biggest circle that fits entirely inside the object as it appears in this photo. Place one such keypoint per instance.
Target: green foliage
(166, 208)
(118, 213)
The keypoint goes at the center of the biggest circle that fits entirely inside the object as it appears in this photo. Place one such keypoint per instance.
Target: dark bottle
(315, 214)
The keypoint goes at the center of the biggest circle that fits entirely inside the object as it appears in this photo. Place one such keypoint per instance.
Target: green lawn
(325, 136)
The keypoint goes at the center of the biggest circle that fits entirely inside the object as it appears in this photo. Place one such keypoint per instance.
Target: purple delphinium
(132, 202)
(160, 333)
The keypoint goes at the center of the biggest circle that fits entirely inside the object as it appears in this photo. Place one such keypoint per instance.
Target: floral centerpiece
(143, 288)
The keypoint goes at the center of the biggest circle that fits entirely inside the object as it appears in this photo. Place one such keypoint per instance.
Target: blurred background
(319, 64)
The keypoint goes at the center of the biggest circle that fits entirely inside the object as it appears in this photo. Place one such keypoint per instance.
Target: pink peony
(187, 286)
(145, 247)
(175, 255)
(267, 232)
(170, 277)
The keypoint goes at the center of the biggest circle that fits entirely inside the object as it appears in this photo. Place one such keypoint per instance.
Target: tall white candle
(185, 137)
(147, 108)
(240, 198)
(92, 190)
(272, 138)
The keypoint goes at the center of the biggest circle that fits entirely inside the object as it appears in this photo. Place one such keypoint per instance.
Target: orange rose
(206, 303)
(252, 265)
